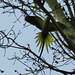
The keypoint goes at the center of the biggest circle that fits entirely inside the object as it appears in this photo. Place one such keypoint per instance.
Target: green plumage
(45, 27)
(43, 38)
(38, 22)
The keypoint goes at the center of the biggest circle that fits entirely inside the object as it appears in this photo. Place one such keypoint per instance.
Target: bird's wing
(35, 20)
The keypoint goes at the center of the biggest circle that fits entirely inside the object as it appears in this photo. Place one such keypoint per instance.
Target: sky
(26, 37)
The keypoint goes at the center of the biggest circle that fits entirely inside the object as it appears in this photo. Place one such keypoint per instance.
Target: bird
(38, 22)
(43, 38)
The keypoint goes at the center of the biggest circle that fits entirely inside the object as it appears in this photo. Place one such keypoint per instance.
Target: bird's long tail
(42, 49)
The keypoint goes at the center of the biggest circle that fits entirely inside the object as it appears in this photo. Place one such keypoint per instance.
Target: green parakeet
(43, 37)
(38, 22)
